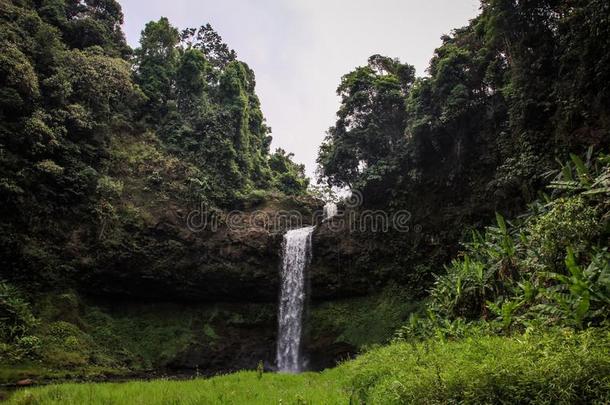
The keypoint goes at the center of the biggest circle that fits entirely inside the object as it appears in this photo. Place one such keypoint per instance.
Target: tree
(208, 41)
(88, 23)
(371, 121)
(157, 60)
(288, 176)
(191, 80)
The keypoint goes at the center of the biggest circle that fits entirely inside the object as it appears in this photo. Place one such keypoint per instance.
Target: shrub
(16, 325)
(16, 318)
(570, 221)
(549, 267)
(555, 368)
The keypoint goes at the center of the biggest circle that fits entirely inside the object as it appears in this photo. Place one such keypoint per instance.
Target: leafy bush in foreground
(16, 323)
(557, 368)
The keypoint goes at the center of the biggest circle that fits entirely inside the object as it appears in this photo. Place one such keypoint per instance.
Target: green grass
(10, 373)
(240, 388)
(559, 367)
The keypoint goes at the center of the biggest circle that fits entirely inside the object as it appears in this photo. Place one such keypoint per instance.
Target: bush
(16, 318)
(561, 367)
(550, 267)
(569, 222)
(16, 324)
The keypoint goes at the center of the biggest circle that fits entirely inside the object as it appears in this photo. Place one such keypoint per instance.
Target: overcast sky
(299, 49)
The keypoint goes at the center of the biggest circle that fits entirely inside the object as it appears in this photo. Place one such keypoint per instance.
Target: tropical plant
(584, 294)
(16, 318)
(521, 272)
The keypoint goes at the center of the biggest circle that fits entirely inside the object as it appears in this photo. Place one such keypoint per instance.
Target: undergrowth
(562, 366)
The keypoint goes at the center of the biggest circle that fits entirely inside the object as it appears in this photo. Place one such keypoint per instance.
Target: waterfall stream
(295, 258)
(330, 210)
(296, 255)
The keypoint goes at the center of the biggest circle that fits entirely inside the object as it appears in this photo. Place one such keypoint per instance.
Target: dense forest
(512, 121)
(500, 151)
(506, 98)
(93, 131)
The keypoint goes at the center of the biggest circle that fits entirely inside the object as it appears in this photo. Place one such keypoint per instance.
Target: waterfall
(330, 210)
(295, 258)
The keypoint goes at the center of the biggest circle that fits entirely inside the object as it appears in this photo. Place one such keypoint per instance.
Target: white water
(295, 258)
(330, 210)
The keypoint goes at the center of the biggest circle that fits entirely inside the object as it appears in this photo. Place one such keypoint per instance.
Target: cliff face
(160, 293)
(170, 262)
(353, 257)
(167, 261)
(209, 297)
(338, 267)
(236, 261)
(239, 258)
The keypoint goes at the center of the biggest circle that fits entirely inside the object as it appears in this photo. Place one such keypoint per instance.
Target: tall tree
(157, 60)
(371, 122)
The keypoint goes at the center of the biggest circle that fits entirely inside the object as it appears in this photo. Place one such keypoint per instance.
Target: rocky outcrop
(238, 260)
(350, 260)
(235, 257)
(337, 269)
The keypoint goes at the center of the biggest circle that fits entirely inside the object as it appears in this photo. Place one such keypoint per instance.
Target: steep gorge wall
(236, 262)
(240, 262)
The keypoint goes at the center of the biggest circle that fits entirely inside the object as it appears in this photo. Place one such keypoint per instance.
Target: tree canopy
(522, 84)
(74, 96)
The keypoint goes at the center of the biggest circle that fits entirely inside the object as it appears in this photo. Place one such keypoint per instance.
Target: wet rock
(24, 383)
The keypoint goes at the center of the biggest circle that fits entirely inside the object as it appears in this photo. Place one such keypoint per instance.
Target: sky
(299, 49)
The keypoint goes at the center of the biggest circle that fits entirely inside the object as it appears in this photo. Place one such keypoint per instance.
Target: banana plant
(586, 176)
(505, 311)
(583, 293)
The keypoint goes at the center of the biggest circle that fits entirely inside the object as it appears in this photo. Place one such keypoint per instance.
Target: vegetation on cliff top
(96, 139)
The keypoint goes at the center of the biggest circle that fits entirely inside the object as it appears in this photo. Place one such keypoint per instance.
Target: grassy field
(245, 387)
(560, 367)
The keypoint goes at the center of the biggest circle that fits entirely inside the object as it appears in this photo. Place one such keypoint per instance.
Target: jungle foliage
(95, 136)
(546, 268)
(98, 141)
(524, 83)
